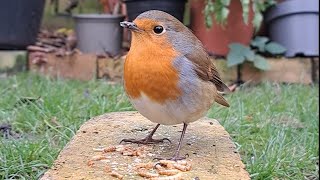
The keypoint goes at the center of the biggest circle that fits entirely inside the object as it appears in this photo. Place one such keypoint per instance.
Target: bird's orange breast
(149, 70)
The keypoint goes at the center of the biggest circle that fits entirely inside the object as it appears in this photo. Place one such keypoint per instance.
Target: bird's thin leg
(176, 156)
(177, 153)
(152, 132)
(148, 139)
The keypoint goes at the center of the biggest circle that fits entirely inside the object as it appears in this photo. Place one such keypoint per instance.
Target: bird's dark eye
(158, 29)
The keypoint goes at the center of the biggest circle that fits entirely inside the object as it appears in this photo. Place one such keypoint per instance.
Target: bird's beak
(130, 25)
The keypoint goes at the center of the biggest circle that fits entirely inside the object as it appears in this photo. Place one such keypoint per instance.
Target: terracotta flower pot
(217, 38)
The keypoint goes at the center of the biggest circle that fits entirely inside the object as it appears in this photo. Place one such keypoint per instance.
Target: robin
(168, 75)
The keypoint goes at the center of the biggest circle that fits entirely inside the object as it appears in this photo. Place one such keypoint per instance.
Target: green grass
(275, 127)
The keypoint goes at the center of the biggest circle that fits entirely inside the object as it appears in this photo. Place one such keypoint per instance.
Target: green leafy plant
(259, 47)
(220, 10)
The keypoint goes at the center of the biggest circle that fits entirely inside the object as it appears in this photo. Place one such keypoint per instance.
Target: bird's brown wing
(208, 72)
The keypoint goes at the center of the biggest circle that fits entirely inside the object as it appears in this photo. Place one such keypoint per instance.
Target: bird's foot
(145, 141)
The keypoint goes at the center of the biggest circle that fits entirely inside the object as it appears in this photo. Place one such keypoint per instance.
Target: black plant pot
(173, 7)
(19, 22)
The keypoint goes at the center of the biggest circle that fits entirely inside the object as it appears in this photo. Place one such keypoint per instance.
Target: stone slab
(210, 148)
(282, 70)
(76, 66)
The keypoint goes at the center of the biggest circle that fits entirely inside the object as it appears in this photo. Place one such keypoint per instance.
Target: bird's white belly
(168, 113)
(186, 109)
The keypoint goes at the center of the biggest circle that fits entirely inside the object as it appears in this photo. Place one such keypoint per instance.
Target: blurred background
(250, 36)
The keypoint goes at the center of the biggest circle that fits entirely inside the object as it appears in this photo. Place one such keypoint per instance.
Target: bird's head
(159, 29)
